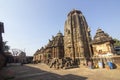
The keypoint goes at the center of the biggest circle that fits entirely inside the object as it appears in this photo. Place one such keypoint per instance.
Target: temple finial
(59, 31)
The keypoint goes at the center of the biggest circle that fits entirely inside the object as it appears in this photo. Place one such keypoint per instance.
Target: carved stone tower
(76, 36)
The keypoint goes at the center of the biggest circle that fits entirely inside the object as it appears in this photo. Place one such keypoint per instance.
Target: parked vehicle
(117, 49)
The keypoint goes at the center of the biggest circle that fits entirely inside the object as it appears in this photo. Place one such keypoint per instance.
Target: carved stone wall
(39, 55)
(76, 36)
(58, 46)
(102, 48)
(54, 49)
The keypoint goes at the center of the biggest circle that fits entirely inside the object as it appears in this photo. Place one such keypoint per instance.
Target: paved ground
(43, 72)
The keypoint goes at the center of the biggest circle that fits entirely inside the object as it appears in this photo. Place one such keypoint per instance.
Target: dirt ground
(43, 72)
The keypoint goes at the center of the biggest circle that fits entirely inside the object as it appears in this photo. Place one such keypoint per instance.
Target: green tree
(6, 48)
(117, 42)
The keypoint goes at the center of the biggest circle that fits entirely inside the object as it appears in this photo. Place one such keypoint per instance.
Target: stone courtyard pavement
(43, 72)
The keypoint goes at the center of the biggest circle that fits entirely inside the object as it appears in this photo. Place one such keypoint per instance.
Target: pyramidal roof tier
(101, 37)
(59, 34)
(74, 11)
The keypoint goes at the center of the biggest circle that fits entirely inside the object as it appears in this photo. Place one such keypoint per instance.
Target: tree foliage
(6, 48)
(117, 42)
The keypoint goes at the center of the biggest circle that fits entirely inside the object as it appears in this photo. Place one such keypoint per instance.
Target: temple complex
(76, 43)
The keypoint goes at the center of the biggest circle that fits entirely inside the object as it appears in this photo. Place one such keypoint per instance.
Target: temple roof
(101, 37)
(74, 11)
(59, 34)
(49, 44)
(56, 41)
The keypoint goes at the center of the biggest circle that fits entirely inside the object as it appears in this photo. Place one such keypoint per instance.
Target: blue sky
(29, 24)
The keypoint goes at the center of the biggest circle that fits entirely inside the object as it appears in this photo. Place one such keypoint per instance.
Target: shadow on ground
(32, 73)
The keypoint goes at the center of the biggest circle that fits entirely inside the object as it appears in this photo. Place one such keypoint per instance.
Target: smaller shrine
(102, 44)
(58, 46)
(54, 49)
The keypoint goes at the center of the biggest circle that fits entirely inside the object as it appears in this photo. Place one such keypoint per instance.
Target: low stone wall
(116, 60)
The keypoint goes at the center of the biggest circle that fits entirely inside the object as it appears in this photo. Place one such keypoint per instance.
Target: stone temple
(76, 43)
(102, 43)
(76, 36)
